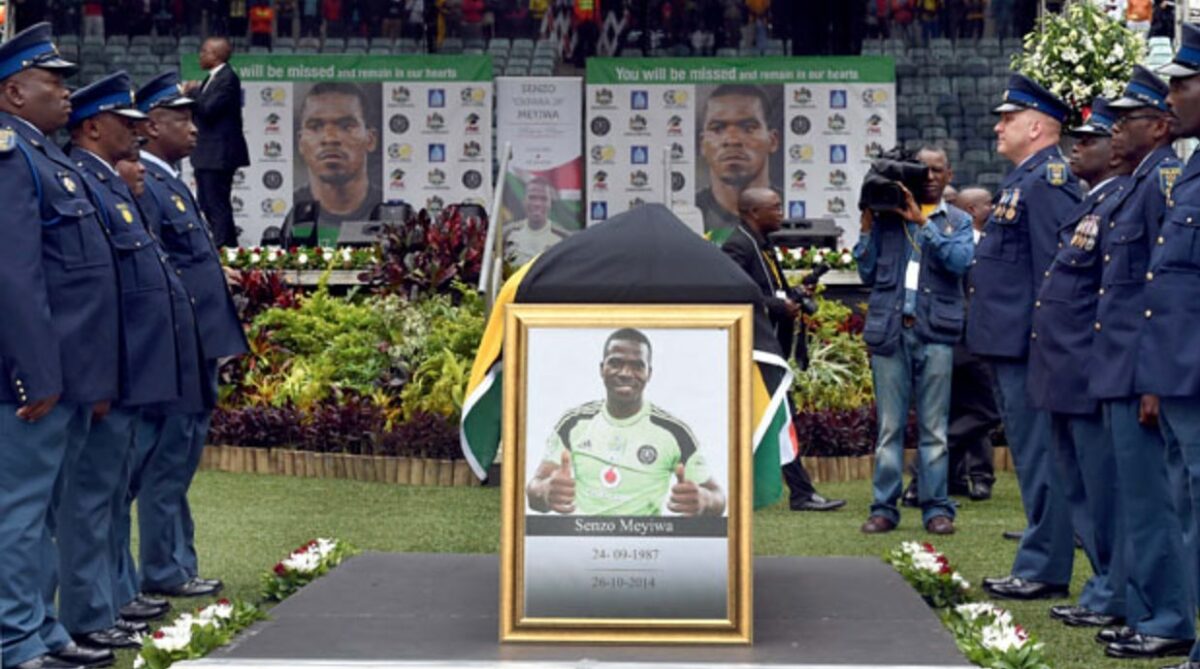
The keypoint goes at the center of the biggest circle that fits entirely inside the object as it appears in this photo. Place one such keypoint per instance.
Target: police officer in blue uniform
(172, 438)
(1014, 254)
(58, 341)
(102, 125)
(1160, 599)
(1168, 363)
(1059, 359)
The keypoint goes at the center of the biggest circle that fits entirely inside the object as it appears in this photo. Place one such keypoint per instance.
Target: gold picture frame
(603, 576)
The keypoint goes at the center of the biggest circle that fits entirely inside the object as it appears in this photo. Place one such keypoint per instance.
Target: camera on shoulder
(881, 190)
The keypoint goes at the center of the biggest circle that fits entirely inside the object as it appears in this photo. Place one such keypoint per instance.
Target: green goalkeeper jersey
(624, 466)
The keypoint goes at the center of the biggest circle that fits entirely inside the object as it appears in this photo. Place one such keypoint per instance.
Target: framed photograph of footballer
(627, 470)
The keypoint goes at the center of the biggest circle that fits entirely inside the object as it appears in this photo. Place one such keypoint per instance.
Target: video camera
(881, 188)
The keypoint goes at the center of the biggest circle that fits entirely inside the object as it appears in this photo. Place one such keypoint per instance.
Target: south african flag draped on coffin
(645, 256)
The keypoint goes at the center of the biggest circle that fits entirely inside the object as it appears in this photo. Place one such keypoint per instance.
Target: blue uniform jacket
(947, 245)
(175, 219)
(149, 360)
(58, 284)
(1168, 355)
(1014, 252)
(1060, 346)
(1121, 313)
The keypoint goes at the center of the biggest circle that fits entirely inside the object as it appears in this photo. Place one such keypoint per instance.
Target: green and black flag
(645, 256)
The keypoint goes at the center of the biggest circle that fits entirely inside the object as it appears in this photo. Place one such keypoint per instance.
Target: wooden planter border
(457, 473)
(367, 468)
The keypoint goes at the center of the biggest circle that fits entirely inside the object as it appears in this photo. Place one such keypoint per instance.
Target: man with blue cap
(1059, 366)
(1160, 601)
(1015, 250)
(58, 341)
(171, 437)
(1168, 364)
(155, 318)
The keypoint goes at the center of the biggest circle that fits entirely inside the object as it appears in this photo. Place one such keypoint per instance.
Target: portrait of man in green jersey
(623, 455)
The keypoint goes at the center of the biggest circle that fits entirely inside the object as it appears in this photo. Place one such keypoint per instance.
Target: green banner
(350, 68)
(756, 70)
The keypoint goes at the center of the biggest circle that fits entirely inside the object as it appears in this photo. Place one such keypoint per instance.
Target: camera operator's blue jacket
(947, 246)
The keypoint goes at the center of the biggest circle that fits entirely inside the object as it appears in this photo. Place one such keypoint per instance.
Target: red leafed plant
(426, 254)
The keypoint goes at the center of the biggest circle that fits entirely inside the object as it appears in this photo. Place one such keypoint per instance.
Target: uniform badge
(68, 183)
(647, 454)
(8, 140)
(1056, 173)
(179, 203)
(126, 213)
(1166, 180)
(1001, 204)
(1085, 233)
(610, 477)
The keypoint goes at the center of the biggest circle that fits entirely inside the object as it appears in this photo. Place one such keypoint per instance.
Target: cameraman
(761, 213)
(913, 257)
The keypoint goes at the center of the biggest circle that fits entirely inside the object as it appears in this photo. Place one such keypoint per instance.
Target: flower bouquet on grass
(987, 635)
(307, 563)
(194, 635)
(929, 573)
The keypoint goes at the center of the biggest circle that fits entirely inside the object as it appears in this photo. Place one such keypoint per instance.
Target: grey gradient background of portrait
(564, 372)
(372, 114)
(774, 162)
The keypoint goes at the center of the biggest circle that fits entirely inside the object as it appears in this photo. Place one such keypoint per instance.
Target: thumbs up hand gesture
(685, 496)
(561, 494)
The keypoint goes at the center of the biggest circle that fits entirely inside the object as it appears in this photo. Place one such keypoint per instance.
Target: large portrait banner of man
(627, 490)
(349, 132)
(698, 132)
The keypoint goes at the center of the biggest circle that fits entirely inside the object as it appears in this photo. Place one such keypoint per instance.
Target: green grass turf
(247, 522)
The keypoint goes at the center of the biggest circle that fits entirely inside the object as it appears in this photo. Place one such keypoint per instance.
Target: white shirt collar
(151, 158)
(102, 162)
(31, 126)
(213, 72)
(1100, 185)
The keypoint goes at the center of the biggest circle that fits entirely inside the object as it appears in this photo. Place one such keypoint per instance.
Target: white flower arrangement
(303, 565)
(194, 635)
(989, 637)
(1080, 54)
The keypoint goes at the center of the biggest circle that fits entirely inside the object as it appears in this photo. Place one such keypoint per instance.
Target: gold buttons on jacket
(1149, 313)
(1097, 326)
(1149, 276)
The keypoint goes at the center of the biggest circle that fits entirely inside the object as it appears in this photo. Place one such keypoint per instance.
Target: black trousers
(800, 487)
(215, 188)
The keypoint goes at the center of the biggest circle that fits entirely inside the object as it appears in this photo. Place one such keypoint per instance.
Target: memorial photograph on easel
(626, 478)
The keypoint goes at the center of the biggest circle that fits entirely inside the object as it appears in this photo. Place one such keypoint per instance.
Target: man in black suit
(221, 147)
(761, 212)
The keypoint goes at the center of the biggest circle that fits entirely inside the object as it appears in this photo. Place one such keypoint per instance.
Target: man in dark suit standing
(761, 212)
(221, 148)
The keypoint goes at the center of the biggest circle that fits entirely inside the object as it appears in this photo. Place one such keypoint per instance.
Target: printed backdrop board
(806, 127)
(541, 118)
(419, 126)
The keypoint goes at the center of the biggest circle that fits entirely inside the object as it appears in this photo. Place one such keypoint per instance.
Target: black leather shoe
(1144, 645)
(1063, 611)
(1083, 617)
(137, 611)
(1019, 588)
(219, 585)
(132, 627)
(110, 638)
(74, 654)
(47, 662)
(981, 490)
(814, 503)
(989, 581)
(1013, 535)
(157, 602)
(192, 588)
(1114, 634)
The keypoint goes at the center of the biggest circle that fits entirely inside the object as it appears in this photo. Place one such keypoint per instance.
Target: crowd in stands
(579, 28)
